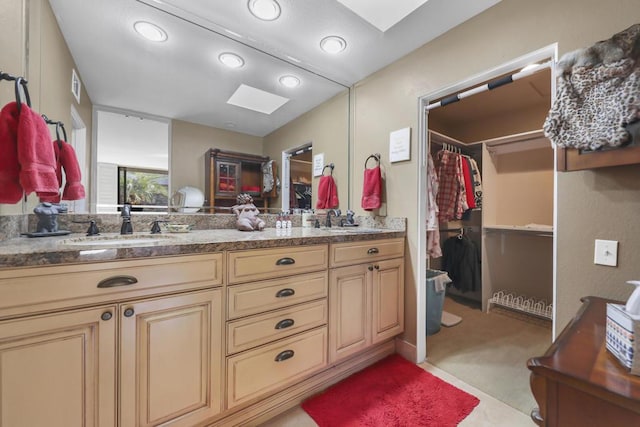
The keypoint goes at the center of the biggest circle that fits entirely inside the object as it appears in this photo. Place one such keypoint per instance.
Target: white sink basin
(118, 240)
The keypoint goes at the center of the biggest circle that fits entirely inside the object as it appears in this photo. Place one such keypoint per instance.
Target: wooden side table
(578, 382)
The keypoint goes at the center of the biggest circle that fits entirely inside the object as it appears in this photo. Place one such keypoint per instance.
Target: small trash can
(435, 302)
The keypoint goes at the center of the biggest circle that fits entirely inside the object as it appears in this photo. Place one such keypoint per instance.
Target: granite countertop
(52, 250)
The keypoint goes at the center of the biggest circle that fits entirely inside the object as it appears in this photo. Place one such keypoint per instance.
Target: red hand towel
(327, 193)
(73, 189)
(55, 198)
(35, 155)
(371, 189)
(10, 189)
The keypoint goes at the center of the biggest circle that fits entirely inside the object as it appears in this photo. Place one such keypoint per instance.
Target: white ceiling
(183, 79)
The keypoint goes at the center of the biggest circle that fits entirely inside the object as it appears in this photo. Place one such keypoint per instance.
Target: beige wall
(190, 141)
(47, 69)
(327, 127)
(591, 204)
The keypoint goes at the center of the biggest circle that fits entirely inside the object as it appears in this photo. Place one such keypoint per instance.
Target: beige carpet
(490, 350)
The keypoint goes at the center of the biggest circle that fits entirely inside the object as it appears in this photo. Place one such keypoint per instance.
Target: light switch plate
(606, 252)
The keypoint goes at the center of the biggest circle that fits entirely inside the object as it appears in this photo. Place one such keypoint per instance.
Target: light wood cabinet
(59, 370)
(170, 360)
(366, 301)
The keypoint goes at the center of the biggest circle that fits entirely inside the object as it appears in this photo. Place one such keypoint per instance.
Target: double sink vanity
(210, 327)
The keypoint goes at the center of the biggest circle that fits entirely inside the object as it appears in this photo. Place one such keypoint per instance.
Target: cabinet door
(349, 312)
(227, 178)
(171, 353)
(388, 299)
(58, 370)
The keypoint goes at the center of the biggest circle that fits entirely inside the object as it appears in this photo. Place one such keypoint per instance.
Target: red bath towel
(327, 193)
(35, 155)
(372, 189)
(55, 198)
(73, 189)
(10, 189)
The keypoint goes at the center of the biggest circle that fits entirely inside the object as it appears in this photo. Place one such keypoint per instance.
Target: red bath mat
(392, 392)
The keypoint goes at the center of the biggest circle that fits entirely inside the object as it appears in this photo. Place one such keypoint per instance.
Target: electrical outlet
(606, 253)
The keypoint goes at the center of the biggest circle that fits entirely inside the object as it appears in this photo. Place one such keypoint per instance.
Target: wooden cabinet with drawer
(366, 299)
(66, 328)
(277, 316)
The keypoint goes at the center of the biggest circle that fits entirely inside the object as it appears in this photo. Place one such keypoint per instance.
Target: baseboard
(260, 412)
(407, 350)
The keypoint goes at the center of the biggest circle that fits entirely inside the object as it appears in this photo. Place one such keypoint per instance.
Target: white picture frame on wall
(76, 85)
(400, 145)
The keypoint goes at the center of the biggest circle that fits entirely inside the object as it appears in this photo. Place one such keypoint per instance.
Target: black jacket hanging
(461, 260)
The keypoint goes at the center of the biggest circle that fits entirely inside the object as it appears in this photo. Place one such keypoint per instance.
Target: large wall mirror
(183, 81)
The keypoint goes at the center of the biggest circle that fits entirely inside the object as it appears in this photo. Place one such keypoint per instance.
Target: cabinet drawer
(261, 371)
(254, 298)
(359, 252)
(257, 330)
(260, 264)
(40, 289)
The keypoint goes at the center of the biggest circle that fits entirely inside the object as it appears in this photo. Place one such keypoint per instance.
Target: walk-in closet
(503, 287)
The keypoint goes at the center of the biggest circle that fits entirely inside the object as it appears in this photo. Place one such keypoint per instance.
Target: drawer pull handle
(373, 251)
(286, 292)
(284, 355)
(106, 315)
(284, 323)
(129, 312)
(114, 281)
(286, 261)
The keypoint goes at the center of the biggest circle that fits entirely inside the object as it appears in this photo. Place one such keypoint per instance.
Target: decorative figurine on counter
(47, 214)
(247, 214)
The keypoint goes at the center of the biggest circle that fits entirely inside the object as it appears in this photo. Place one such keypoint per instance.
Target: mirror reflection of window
(134, 146)
(146, 190)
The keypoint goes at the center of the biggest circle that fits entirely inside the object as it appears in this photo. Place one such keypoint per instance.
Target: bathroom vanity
(212, 327)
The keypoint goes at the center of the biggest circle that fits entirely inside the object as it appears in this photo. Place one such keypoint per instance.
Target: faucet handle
(155, 227)
(93, 229)
(126, 209)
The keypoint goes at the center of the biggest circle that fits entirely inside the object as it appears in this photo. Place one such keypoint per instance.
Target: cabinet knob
(370, 268)
(284, 355)
(285, 323)
(286, 292)
(129, 312)
(373, 251)
(377, 267)
(106, 315)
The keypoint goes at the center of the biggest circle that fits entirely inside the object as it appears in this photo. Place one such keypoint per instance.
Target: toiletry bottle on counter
(279, 222)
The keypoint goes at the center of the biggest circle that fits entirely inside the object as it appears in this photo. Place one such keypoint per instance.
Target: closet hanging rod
(490, 85)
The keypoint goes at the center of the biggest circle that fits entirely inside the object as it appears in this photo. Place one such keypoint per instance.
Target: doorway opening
(506, 226)
(297, 173)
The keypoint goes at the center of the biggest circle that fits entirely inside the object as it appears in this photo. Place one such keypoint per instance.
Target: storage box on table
(623, 337)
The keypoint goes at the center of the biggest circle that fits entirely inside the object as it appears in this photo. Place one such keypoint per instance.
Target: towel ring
(330, 166)
(375, 156)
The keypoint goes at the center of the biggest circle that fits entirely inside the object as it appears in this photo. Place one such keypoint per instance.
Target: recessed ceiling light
(333, 44)
(150, 31)
(289, 81)
(267, 10)
(231, 60)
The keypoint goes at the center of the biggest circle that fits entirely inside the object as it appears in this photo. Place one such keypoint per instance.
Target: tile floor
(489, 413)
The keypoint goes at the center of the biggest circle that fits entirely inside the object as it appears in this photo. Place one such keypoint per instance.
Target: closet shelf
(533, 229)
(522, 303)
(517, 142)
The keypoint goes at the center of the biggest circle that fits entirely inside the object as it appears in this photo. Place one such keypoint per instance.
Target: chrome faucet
(336, 213)
(126, 227)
